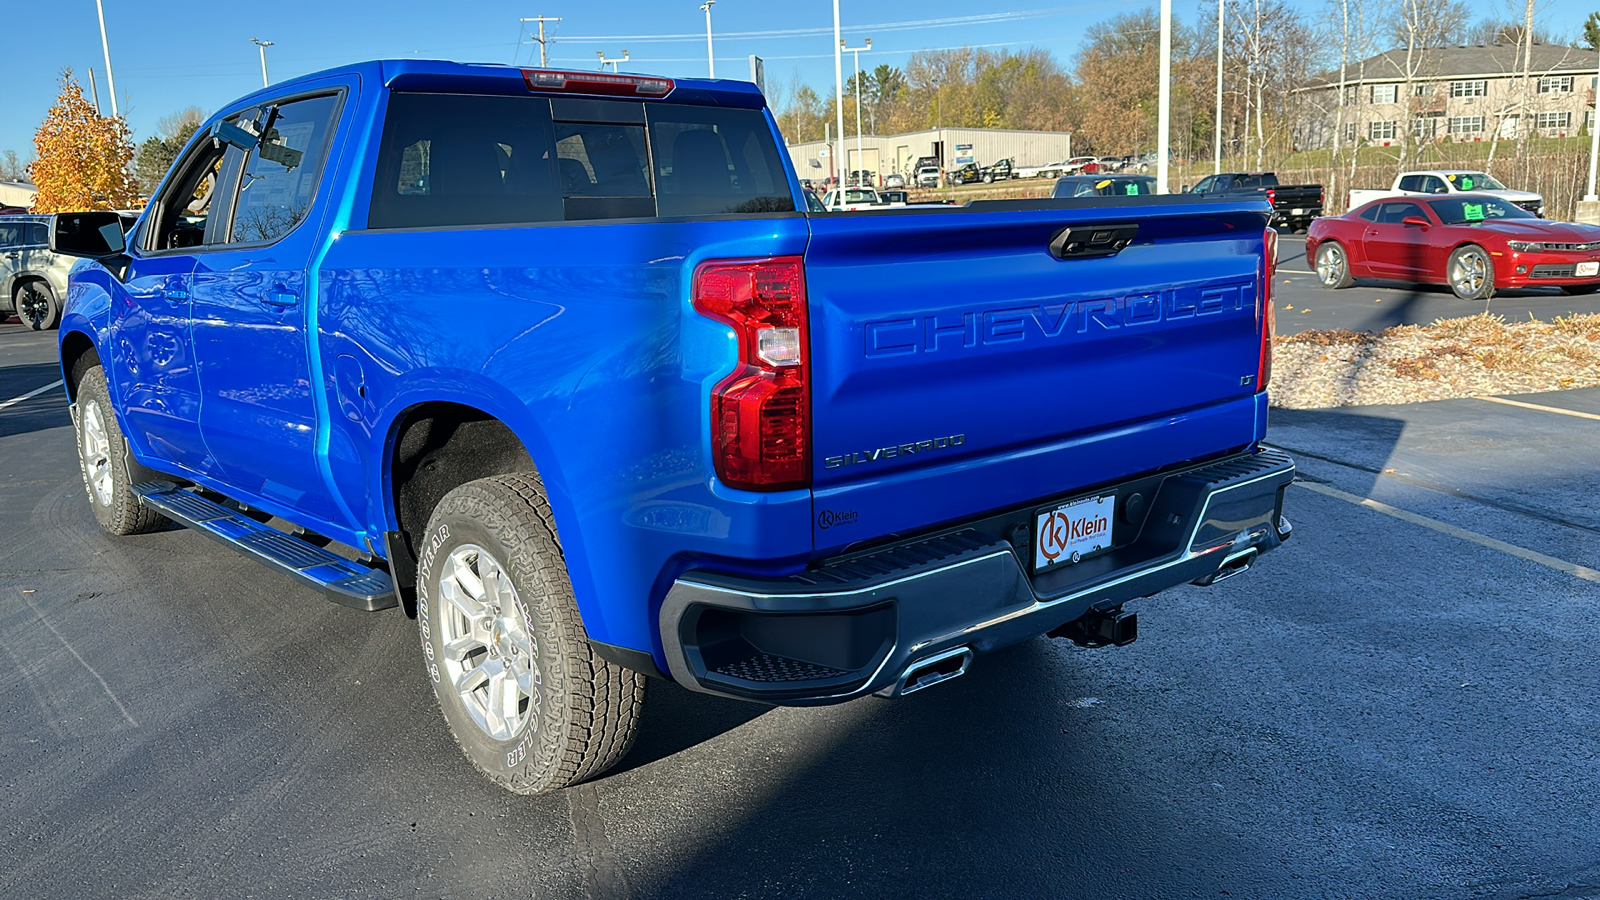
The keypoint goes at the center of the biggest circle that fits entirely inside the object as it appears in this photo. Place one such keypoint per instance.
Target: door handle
(279, 298)
(174, 295)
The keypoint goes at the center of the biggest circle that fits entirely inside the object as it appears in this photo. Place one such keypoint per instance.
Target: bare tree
(12, 168)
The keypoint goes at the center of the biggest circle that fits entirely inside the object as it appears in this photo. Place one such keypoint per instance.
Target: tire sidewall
(52, 309)
(92, 393)
(531, 755)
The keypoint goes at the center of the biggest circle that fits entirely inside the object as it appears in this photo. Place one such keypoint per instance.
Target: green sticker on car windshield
(1466, 184)
(1472, 212)
(1131, 188)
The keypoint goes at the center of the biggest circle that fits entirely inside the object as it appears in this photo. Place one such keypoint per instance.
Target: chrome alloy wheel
(1468, 271)
(1330, 264)
(488, 655)
(94, 450)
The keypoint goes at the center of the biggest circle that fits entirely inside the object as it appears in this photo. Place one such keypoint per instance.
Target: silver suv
(33, 281)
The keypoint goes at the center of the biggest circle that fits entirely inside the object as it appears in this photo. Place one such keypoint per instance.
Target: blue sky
(168, 55)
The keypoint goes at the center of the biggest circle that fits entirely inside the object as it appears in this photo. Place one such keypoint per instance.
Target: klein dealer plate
(1070, 532)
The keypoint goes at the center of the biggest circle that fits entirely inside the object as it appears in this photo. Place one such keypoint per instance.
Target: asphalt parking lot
(1304, 304)
(1399, 703)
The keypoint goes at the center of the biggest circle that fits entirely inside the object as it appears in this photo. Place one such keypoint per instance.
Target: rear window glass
(452, 159)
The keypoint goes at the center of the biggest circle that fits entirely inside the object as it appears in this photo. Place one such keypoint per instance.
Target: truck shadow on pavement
(36, 413)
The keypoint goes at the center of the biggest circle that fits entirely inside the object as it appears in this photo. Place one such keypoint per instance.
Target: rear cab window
(464, 159)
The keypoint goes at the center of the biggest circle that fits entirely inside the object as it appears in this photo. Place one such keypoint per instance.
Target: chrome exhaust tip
(934, 669)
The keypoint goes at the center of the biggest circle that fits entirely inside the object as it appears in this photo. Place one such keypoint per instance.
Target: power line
(540, 38)
(913, 25)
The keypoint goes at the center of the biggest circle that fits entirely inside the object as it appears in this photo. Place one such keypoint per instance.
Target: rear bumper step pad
(346, 583)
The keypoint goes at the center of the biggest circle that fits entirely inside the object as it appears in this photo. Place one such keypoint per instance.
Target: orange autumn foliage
(83, 158)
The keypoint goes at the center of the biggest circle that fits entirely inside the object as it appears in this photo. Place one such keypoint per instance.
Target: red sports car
(1475, 243)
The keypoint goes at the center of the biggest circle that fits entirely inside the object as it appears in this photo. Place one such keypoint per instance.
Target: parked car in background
(33, 280)
(1112, 163)
(663, 428)
(894, 198)
(1103, 186)
(1051, 170)
(894, 180)
(862, 178)
(1477, 243)
(1001, 170)
(928, 176)
(853, 199)
(1450, 181)
(1294, 205)
(964, 174)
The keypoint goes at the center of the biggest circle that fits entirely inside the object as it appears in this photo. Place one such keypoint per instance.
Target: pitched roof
(1494, 60)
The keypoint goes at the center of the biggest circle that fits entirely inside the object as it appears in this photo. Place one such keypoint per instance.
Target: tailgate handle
(1088, 241)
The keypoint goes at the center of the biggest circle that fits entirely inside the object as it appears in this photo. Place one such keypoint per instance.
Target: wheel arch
(77, 352)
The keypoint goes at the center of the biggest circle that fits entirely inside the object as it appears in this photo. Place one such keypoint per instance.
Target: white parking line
(1549, 409)
(31, 394)
(1533, 556)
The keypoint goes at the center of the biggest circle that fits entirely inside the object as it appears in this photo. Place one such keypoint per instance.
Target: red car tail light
(596, 83)
(761, 412)
(1269, 270)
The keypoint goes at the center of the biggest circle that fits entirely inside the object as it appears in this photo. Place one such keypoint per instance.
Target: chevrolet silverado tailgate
(960, 364)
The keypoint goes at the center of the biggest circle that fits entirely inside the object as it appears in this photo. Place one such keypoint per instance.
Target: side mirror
(228, 133)
(91, 235)
(1185, 190)
(1416, 220)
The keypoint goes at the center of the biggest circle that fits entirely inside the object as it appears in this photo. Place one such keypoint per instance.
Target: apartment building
(1467, 93)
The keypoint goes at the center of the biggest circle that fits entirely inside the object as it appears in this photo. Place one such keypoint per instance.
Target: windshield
(1103, 187)
(1472, 210)
(1475, 181)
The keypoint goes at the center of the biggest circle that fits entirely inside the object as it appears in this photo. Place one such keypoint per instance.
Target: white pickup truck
(1451, 181)
(856, 199)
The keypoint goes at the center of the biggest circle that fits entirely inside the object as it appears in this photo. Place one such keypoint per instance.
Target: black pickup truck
(1294, 205)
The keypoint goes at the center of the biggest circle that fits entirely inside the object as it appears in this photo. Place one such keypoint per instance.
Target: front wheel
(1470, 273)
(988, 179)
(103, 460)
(1333, 266)
(528, 700)
(36, 305)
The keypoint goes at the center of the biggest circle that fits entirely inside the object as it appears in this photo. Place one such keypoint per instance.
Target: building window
(1469, 88)
(1555, 84)
(1380, 131)
(1349, 94)
(1588, 121)
(1465, 125)
(1350, 132)
(1552, 120)
(1385, 93)
(1422, 90)
(1424, 127)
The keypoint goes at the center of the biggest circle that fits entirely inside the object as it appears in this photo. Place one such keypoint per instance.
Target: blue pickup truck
(559, 364)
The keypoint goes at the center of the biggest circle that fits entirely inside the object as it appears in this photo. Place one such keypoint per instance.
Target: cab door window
(192, 208)
(280, 174)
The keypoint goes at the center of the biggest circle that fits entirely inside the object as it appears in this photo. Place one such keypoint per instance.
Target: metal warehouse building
(884, 154)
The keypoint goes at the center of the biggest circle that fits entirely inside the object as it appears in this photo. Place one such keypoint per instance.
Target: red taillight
(1269, 270)
(761, 412)
(596, 83)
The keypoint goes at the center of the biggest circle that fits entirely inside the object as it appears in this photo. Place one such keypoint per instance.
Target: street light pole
(1164, 115)
(613, 63)
(860, 160)
(1216, 137)
(711, 61)
(105, 48)
(262, 46)
(838, 93)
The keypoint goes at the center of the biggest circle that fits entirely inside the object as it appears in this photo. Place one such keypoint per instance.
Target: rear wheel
(988, 179)
(527, 698)
(1333, 266)
(1470, 273)
(1576, 289)
(36, 305)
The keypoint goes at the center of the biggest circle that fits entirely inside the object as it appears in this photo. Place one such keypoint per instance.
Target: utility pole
(1216, 137)
(541, 38)
(262, 46)
(1164, 116)
(610, 62)
(711, 61)
(94, 89)
(860, 160)
(838, 93)
(111, 81)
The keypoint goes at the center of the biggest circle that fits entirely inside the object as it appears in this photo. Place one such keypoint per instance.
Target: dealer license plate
(1588, 268)
(1297, 212)
(1070, 532)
